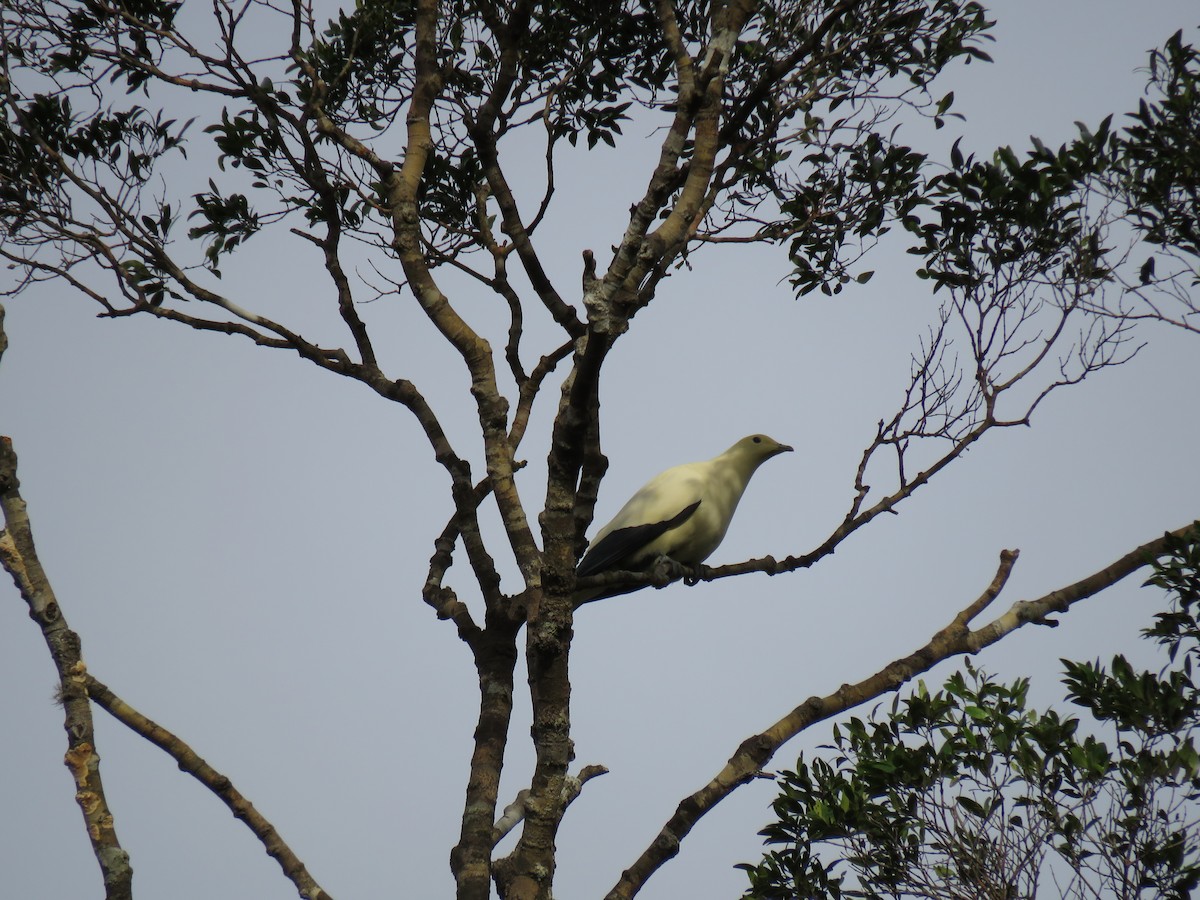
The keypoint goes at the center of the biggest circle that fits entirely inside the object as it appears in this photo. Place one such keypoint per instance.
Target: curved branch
(334, 360)
(530, 388)
(955, 639)
(402, 189)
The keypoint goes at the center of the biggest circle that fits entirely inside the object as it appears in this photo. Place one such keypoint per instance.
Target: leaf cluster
(43, 137)
(990, 214)
(803, 156)
(1160, 164)
(810, 158)
(364, 58)
(79, 38)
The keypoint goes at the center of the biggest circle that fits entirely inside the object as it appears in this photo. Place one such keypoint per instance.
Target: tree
(967, 792)
(392, 135)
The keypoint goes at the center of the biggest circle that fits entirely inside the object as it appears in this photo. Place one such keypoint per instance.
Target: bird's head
(757, 449)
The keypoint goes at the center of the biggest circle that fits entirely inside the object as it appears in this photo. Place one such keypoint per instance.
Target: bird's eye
(757, 440)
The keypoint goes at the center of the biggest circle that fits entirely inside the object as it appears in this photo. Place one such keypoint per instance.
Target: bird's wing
(622, 542)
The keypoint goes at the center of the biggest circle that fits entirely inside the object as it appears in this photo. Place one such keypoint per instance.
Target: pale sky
(240, 540)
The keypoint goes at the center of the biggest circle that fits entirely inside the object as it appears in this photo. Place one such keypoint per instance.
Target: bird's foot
(666, 570)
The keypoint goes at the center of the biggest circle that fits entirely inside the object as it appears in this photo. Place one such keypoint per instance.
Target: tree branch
(515, 811)
(955, 639)
(219, 784)
(495, 657)
(19, 558)
(484, 134)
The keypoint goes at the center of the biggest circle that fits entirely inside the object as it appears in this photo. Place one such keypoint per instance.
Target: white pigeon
(682, 513)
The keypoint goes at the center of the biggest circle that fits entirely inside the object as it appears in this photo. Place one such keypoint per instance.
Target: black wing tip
(619, 545)
(604, 554)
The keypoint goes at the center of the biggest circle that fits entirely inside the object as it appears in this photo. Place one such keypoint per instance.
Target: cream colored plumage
(682, 513)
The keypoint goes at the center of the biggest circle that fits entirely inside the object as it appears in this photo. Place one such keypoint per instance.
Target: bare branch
(515, 811)
(955, 639)
(220, 785)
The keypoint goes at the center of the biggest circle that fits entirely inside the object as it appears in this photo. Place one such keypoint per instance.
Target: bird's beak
(784, 448)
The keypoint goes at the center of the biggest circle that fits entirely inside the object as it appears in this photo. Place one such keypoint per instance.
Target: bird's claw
(667, 570)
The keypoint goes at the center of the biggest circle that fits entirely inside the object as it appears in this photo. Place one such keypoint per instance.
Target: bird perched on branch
(682, 513)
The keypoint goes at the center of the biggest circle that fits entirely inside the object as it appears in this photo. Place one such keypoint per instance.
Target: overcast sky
(240, 540)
